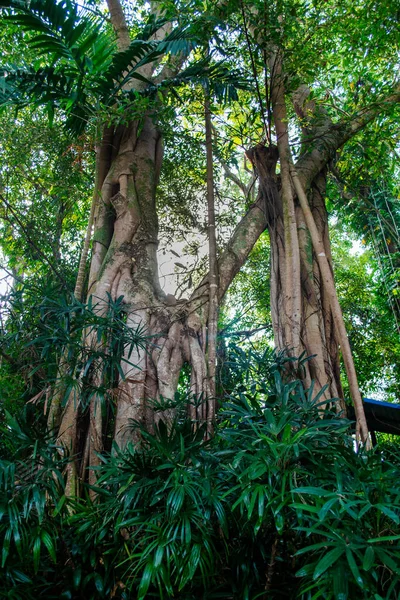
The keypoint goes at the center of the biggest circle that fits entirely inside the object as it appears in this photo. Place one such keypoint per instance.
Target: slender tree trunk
(80, 279)
(291, 280)
(213, 276)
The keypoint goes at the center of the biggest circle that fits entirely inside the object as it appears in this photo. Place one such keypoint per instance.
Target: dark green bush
(276, 505)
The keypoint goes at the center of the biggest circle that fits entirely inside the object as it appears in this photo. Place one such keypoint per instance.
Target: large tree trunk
(317, 337)
(124, 264)
(305, 310)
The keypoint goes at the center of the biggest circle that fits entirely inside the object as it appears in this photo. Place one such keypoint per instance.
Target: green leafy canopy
(78, 70)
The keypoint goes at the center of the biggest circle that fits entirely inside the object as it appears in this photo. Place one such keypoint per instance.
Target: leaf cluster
(278, 504)
(86, 76)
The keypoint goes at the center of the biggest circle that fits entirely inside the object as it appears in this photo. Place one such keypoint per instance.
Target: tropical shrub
(277, 504)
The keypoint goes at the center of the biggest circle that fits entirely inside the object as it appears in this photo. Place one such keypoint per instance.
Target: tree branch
(335, 136)
(119, 24)
(246, 189)
(240, 245)
(233, 177)
(251, 225)
(308, 166)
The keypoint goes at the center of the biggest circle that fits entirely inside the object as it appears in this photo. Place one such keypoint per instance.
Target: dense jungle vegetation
(200, 274)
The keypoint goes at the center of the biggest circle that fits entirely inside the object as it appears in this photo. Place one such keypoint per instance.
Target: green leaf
(305, 507)
(49, 543)
(326, 508)
(353, 567)
(145, 580)
(158, 556)
(388, 512)
(59, 506)
(36, 553)
(327, 561)
(77, 576)
(313, 491)
(384, 538)
(369, 557)
(98, 582)
(387, 560)
(305, 571)
(313, 547)
(340, 582)
(6, 546)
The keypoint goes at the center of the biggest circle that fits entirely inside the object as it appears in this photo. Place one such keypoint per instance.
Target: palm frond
(20, 85)
(181, 40)
(86, 71)
(154, 23)
(222, 82)
(59, 29)
(125, 65)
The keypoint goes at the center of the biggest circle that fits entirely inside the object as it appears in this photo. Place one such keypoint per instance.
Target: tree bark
(213, 275)
(310, 318)
(291, 281)
(329, 285)
(119, 24)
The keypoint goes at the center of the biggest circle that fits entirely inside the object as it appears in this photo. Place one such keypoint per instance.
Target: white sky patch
(357, 248)
(168, 269)
(175, 265)
(5, 282)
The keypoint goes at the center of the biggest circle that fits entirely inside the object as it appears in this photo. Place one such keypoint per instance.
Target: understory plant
(276, 504)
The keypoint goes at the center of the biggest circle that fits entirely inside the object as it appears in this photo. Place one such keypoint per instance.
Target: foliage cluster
(276, 505)
(48, 352)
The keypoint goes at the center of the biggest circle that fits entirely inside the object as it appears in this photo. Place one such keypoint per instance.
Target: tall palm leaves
(77, 67)
(72, 49)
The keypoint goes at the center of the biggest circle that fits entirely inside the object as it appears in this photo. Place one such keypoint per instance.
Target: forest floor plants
(277, 504)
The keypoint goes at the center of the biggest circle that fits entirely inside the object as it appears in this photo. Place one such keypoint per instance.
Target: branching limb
(317, 155)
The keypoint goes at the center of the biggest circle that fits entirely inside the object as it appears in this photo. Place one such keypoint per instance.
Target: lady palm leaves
(277, 497)
(86, 72)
